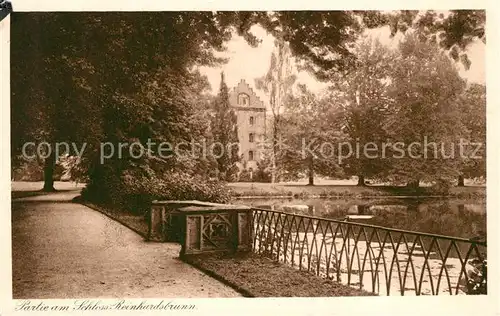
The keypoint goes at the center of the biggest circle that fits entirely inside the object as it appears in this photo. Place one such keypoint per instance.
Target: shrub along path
(66, 250)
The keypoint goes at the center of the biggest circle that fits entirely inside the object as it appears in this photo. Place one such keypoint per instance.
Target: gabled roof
(244, 87)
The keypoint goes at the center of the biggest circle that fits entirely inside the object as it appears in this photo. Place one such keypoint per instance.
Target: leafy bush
(28, 171)
(244, 176)
(232, 174)
(262, 174)
(32, 170)
(441, 187)
(477, 283)
(135, 191)
(73, 169)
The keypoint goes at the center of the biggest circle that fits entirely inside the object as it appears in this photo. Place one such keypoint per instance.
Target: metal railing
(374, 258)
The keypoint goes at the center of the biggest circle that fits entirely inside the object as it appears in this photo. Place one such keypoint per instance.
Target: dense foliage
(135, 192)
(225, 135)
(99, 78)
(401, 115)
(139, 87)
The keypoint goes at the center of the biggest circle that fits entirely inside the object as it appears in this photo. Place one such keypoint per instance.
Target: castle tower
(251, 115)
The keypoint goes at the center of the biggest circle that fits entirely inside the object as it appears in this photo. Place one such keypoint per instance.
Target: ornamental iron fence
(377, 259)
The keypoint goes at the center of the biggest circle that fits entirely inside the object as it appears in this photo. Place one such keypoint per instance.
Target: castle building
(251, 122)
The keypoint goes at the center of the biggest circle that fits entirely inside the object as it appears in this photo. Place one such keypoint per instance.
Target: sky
(248, 63)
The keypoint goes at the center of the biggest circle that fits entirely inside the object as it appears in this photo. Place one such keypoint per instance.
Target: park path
(66, 250)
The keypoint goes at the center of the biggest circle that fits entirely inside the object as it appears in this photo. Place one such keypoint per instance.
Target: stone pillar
(244, 220)
(156, 223)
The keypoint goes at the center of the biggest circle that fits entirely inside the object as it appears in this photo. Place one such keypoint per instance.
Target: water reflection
(450, 217)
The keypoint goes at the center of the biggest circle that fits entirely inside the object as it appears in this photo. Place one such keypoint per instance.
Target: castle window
(243, 99)
(251, 137)
(251, 120)
(250, 155)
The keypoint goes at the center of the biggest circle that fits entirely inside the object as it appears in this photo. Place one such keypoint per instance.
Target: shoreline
(334, 197)
(254, 190)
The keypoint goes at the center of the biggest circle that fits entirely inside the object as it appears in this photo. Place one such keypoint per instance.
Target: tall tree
(45, 88)
(365, 103)
(130, 91)
(277, 84)
(310, 133)
(225, 132)
(425, 89)
(472, 104)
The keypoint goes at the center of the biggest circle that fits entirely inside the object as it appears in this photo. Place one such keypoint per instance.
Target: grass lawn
(257, 276)
(323, 188)
(18, 186)
(298, 190)
(22, 194)
(21, 189)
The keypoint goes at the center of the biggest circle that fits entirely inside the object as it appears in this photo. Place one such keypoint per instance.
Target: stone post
(156, 223)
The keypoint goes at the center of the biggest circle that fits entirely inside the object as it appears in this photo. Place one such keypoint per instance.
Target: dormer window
(243, 99)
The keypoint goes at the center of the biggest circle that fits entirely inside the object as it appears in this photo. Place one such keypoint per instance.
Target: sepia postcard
(220, 158)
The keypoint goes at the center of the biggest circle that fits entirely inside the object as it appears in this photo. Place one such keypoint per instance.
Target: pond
(369, 258)
(450, 217)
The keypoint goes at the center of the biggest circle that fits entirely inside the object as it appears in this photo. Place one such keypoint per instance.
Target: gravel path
(65, 250)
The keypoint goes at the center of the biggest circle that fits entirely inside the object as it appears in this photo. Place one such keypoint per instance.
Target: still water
(450, 217)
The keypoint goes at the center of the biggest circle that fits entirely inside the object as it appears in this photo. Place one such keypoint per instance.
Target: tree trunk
(274, 152)
(413, 184)
(273, 169)
(461, 181)
(48, 173)
(311, 170)
(361, 181)
(361, 209)
(310, 209)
